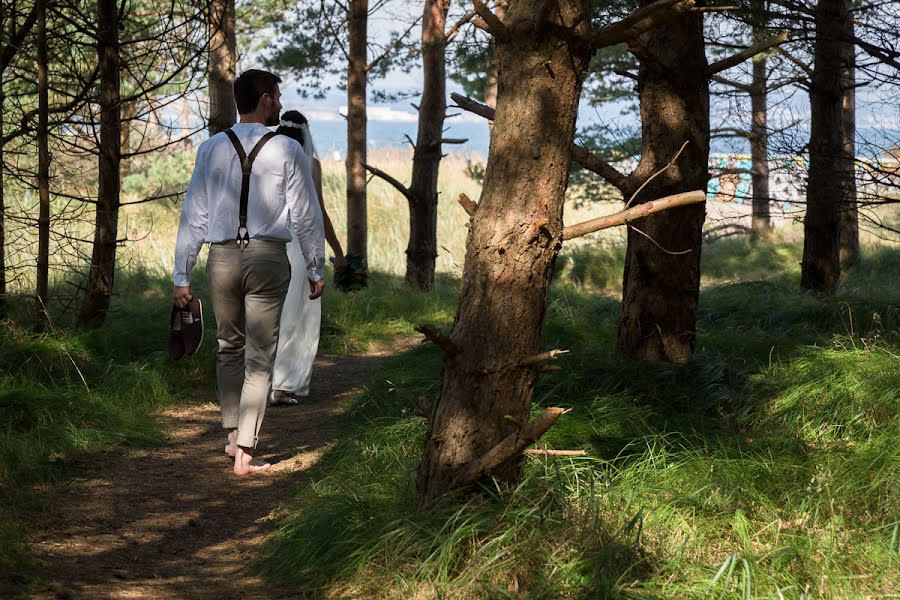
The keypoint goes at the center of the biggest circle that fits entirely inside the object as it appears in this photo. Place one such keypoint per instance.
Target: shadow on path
(173, 522)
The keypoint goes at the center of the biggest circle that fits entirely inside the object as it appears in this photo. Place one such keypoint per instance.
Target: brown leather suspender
(243, 234)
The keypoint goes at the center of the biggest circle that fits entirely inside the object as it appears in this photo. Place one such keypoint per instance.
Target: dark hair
(292, 116)
(250, 86)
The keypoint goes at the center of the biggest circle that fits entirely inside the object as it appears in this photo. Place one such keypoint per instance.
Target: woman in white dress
(298, 340)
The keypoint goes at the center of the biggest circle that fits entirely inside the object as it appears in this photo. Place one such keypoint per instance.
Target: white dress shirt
(282, 194)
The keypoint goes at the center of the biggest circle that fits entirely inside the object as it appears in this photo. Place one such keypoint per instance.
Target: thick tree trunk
(820, 269)
(43, 174)
(759, 135)
(103, 259)
(422, 249)
(222, 65)
(514, 237)
(662, 264)
(849, 215)
(357, 78)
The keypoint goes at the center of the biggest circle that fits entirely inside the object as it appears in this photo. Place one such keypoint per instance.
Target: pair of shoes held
(186, 329)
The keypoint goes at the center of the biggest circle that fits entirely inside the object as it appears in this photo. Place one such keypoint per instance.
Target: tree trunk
(662, 263)
(422, 249)
(849, 215)
(43, 173)
(103, 259)
(357, 78)
(222, 65)
(820, 269)
(3, 304)
(759, 135)
(514, 237)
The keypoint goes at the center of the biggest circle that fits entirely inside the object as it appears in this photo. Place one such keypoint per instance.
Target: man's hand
(182, 295)
(316, 288)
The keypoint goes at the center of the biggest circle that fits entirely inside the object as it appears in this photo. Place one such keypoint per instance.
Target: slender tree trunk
(103, 259)
(513, 240)
(422, 249)
(820, 269)
(357, 78)
(662, 264)
(43, 174)
(3, 305)
(222, 65)
(759, 135)
(849, 215)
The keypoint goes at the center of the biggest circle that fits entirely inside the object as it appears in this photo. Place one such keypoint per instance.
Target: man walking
(247, 188)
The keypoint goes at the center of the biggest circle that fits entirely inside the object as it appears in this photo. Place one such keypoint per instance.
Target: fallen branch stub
(508, 448)
(468, 205)
(434, 335)
(547, 452)
(634, 213)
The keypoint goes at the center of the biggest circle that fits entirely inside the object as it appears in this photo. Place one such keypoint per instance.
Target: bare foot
(244, 464)
(231, 446)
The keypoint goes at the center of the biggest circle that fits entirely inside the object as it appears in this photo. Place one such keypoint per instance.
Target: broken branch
(511, 446)
(731, 61)
(458, 25)
(542, 357)
(495, 25)
(434, 335)
(632, 214)
(454, 140)
(468, 205)
(640, 21)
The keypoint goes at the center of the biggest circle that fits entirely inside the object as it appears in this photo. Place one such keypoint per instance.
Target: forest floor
(173, 521)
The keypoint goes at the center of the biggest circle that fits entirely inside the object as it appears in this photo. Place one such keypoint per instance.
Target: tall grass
(765, 468)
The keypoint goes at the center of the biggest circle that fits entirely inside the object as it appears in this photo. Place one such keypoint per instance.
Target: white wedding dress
(298, 340)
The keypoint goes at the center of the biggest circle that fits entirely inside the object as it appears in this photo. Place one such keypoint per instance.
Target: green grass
(765, 468)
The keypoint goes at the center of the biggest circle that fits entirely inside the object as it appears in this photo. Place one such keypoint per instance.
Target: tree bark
(357, 78)
(759, 136)
(222, 65)
(660, 289)
(43, 173)
(422, 249)
(848, 252)
(514, 237)
(3, 301)
(820, 269)
(103, 258)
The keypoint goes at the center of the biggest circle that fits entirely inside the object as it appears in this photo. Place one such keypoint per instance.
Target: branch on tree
(17, 37)
(744, 87)
(599, 166)
(731, 61)
(495, 25)
(390, 48)
(579, 154)
(434, 335)
(453, 140)
(399, 186)
(640, 21)
(640, 211)
(510, 447)
(803, 66)
(469, 205)
(451, 33)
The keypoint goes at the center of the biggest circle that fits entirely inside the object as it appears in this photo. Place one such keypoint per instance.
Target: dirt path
(173, 522)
